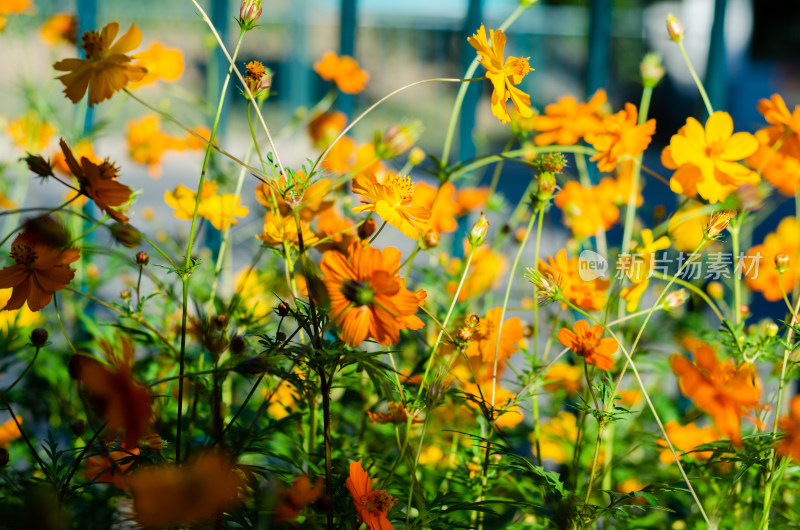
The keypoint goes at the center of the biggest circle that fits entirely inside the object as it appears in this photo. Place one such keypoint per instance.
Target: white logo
(591, 265)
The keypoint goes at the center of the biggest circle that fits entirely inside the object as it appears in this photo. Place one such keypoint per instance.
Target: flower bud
(651, 69)
(142, 258)
(280, 336)
(39, 165)
(464, 334)
(782, 262)
(676, 299)
(718, 222)
(477, 236)
(367, 228)
(715, 290)
(258, 79)
(282, 309)
(39, 337)
(126, 235)
(125, 295)
(472, 320)
(249, 12)
(771, 329)
(416, 156)
(430, 240)
(238, 345)
(744, 310)
(548, 287)
(398, 139)
(674, 28)
(552, 163)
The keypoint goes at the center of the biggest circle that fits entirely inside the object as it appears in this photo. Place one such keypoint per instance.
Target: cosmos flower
(620, 138)
(566, 122)
(344, 71)
(392, 199)
(372, 505)
(587, 343)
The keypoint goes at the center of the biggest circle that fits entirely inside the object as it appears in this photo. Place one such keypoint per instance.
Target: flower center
(360, 293)
(23, 254)
(516, 66)
(108, 170)
(93, 44)
(380, 500)
(401, 186)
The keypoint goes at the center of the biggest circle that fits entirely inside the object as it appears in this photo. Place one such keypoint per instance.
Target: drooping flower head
(392, 199)
(588, 343)
(504, 73)
(41, 264)
(706, 158)
(99, 183)
(368, 299)
(107, 67)
(620, 138)
(718, 387)
(372, 505)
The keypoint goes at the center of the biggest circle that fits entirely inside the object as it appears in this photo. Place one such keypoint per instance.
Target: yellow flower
(278, 229)
(20, 318)
(30, 132)
(639, 265)
(587, 210)
(705, 159)
(106, 68)
(219, 210)
(9, 431)
(283, 402)
(503, 73)
(557, 437)
(8, 7)
(686, 227)
(567, 121)
(161, 63)
(60, 27)
(147, 143)
(391, 198)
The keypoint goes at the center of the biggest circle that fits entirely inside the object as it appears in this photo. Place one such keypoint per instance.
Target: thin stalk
(630, 209)
(697, 81)
(25, 371)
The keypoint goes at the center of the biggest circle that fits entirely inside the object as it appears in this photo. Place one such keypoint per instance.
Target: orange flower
(147, 143)
(718, 388)
(162, 63)
(587, 343)
(98, 182)
(372, 505)
(503, 73)
(123, 402)
(685, 438)
(9, 431)
(99, 468)
(469, 199)
(325, 127)
(331, 225)
(220, 210)
(344, 71)
(588, 210)
(790, 444)
(620, 138)
(106, 68)
(309, 198)
(41, 265)
(8, 7)
(291, 501)
(567, 121)
(60, 27)
(83, 148)
(586, 295)
(779, 168)
(440, 203)
(485, 271)
(30, 132)
(278, 229)
(777, 113)
(397, 414)
(367, 298)
(763, 276)
(345, 157)
(193, 494)
(484, 338)
(392, 199)
(706, 158)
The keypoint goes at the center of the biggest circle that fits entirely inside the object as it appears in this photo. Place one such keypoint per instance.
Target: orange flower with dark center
(372, 505)
(586, 295)
(367, 298)
(190, 495)
(397, 414)
(120, 400)
(40, 265)
(504, 73)
(587, 343)
(98, 182)
(291, 501)
(392, 199)
(718, 388)
(484, 338)
(790, 444)
(344, 71)
(620, 138)
(567, 121)
(106, 68)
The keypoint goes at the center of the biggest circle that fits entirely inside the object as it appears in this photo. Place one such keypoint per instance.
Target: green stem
(630, 209)
(697, 81)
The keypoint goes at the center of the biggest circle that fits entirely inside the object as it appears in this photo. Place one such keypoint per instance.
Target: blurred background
(743, 50)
